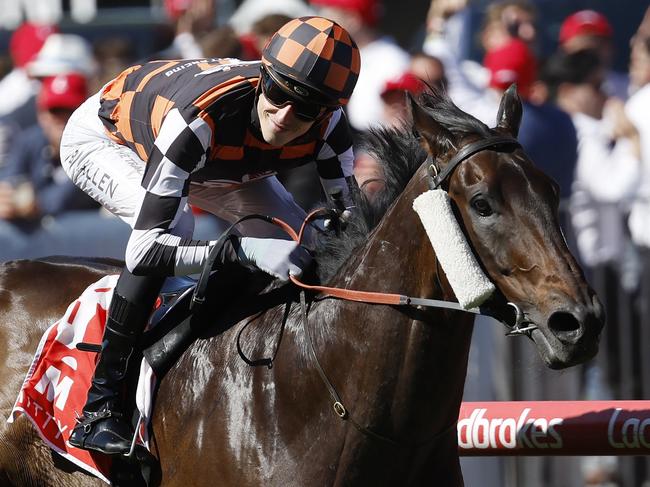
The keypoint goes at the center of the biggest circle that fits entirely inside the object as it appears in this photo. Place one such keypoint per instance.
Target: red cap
(176, 8)
(250, 51)
(27, 40)
(585, 22)
(513, 62)
(369, 10)
(62, 91)
(406, 82)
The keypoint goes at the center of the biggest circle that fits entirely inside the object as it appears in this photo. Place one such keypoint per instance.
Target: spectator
(366, 170)
(264, 28)
(63, 54)
(191, 20)
(41, 211)
(590, 30)
(546, 133)
(607, 176)
(381, 58)
(606, 140)
(637, 109)
(251, 11)
(16, 88)
(59, 54)
(33, 182)
(429, 69)
(221, 42)
(449, 22)
(468, 87)
(112, 55)
(512, 62)
(506, 20)
(393, 96)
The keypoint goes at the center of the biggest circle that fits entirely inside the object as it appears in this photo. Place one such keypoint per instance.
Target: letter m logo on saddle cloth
(55, 389)
(57, 382)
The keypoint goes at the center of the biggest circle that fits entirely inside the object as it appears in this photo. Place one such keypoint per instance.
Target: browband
(468, 151)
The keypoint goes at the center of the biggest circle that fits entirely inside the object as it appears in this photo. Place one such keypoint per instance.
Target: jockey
(210, 133)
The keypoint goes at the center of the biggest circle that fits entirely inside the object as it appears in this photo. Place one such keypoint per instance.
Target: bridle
(496, 143)
(436, 178)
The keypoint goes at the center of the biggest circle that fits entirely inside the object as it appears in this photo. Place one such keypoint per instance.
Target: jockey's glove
(338, 221)
(279, 258)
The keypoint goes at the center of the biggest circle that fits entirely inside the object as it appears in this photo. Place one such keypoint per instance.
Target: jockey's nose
(286, 114)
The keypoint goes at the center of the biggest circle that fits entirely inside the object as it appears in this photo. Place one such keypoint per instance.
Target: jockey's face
(279, 124)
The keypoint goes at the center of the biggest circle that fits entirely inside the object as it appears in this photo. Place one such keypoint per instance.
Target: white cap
(62, 54)
(250, 11)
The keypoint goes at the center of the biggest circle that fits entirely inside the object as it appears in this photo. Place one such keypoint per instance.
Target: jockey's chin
(280, 125)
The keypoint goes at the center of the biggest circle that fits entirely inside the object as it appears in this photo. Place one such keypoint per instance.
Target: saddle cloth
(54, 391)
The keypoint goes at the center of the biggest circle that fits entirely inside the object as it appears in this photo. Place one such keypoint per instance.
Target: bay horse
(399, 370)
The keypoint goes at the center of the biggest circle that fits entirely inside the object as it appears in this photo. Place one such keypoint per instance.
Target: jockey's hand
(339, 220)
(340, 214)
(279, 258)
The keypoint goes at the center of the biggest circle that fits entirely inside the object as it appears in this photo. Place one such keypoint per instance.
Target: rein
(436, 178)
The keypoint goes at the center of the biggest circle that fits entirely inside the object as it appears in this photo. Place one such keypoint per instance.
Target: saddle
(173, 327)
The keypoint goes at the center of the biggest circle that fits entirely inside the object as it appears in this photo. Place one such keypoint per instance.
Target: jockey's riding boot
(105, 425)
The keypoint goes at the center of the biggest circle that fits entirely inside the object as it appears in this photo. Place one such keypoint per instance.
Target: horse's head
(508, 210)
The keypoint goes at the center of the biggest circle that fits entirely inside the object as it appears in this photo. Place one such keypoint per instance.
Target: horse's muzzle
(583, 322)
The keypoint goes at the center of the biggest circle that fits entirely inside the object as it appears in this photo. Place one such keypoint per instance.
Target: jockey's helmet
(313, 59)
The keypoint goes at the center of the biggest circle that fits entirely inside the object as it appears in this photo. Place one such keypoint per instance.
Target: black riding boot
(106, 423)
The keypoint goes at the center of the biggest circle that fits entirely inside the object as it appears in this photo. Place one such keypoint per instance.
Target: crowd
(584, 123)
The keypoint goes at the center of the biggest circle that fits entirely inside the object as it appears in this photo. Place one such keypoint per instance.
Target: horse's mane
(399, 154)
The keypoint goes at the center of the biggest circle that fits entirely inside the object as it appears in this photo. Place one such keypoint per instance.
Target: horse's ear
(432, 132)
(510, 111)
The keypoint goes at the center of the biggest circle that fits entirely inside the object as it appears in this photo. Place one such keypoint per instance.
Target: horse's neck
(395, 352)
(398, 257)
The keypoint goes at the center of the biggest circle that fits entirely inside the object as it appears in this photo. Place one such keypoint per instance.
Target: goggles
(280, 97)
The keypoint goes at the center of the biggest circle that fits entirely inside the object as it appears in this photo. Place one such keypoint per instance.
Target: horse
(398, 371)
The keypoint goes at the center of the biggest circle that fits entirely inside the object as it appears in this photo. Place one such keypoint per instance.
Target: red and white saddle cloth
(54, 391)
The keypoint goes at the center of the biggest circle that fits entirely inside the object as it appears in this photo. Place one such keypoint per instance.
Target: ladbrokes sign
(523, 431)
(554, 428)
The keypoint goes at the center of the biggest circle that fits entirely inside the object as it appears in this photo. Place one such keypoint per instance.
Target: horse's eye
(482, 206)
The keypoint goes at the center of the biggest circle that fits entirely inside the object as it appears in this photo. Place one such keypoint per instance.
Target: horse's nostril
(564, 325)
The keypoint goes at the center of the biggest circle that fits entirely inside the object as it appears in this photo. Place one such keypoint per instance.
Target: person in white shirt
(608, 167)
(637, 109)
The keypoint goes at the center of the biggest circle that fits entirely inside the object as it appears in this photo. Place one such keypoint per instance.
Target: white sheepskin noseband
(470, 284)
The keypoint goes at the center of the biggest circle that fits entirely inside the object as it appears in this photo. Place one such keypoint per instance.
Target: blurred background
(582, 68)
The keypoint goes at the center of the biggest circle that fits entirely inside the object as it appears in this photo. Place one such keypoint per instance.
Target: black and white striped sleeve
(152, 249)
(335, 160)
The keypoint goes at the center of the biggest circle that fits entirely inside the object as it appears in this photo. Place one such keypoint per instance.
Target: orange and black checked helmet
(317, 53)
